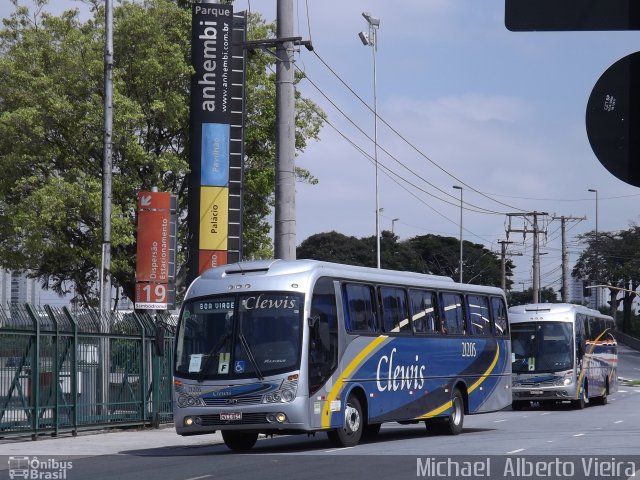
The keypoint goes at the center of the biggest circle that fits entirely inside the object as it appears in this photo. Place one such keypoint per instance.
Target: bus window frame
(348, 321)
(381, 323)
(436, 312)
(486, 332)
(443, 316)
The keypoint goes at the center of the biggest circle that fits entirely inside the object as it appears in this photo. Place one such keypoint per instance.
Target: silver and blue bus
(284, 347)
(562, 353)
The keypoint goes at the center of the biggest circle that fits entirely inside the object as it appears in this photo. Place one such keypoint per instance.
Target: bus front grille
(221, 402)
(247, 419)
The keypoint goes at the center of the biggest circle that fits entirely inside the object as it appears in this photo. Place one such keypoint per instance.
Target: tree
(424, 254)
(336, 247)
(547, 295)
(611, 258)
(441, 255)
(51, 124)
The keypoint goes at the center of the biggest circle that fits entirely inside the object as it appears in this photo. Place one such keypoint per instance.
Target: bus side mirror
(312, 321)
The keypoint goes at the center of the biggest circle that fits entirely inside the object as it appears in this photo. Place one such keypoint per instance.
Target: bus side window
(423, 311)
(479, 314)
(499, 315)
(453, 314)
(394, 310)
(360, 302)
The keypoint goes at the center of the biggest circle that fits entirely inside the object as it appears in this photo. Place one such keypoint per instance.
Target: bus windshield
(239, 336)
(540, 347)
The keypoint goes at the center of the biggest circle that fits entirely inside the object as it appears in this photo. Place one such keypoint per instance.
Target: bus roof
(216, 279)
(525, 312)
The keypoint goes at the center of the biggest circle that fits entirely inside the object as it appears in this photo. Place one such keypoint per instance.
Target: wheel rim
(351, 419)
(456, 416)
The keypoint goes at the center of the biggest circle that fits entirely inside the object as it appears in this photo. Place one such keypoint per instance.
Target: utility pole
(285, 220)
(536, 249)
(565, 254)
(107, 163)
(503, 261)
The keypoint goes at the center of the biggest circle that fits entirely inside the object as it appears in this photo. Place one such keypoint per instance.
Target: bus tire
(351, 431)
(453, 423)
(239, 441)
(582, 401)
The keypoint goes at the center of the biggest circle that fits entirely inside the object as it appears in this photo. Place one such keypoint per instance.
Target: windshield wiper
(207, 363)
(252, 359)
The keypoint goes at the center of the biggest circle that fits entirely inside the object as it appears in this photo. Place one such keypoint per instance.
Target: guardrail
(64, 370)
(628, 340)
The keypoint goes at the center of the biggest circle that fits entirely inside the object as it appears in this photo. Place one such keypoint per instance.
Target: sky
(471, 104)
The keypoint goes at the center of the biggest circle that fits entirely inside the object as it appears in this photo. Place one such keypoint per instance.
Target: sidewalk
(103, 442)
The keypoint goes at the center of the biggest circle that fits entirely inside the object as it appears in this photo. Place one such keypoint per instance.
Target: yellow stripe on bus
(475, 385)
(355, 363)
(584, 358)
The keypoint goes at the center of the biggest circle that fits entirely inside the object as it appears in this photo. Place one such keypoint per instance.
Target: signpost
(156, 251)
(216, 137)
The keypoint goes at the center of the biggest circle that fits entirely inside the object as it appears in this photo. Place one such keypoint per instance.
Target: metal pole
(460, 268)
(107, 166)
(374, 36)
(285, 221)
(565, 262)
(597, 262)
(536, 261)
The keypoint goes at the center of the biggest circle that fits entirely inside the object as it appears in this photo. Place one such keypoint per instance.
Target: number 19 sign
(156, 247)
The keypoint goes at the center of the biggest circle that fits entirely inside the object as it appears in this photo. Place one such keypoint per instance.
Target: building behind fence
(63, 370)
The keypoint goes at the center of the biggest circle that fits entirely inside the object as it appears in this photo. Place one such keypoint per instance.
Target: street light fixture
(392, 224)
(460, 188)
(593, 190)
(371, 40)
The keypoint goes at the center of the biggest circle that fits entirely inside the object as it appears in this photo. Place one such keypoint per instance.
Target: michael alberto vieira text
(521, 467)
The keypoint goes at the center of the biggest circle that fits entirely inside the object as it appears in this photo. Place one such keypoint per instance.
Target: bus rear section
(561, 353)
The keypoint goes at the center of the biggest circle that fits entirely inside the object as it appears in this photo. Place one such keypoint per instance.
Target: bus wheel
(239, 441)
(582, 401)
(351, 431)
(453, 423)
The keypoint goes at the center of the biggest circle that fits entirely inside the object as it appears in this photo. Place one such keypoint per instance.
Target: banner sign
(156, 251)
(216, 136)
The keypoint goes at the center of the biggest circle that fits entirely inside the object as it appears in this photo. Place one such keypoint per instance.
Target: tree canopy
(51, 130)
(424, 254)
(611, 258)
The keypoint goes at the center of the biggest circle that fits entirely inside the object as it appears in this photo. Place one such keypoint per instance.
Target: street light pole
(371, 40)
(392, 224)
(460, 188)
(597, 262)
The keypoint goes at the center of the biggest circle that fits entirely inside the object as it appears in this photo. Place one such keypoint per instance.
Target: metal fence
(64, 370)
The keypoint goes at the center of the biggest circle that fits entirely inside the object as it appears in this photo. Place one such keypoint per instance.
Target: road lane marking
(199, 478)
(498, 421)
(579, 434)
(634, 475)
(515, 451)
(619, 421)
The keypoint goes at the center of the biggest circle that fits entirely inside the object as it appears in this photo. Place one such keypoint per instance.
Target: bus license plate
(231, 416)
(535, 392)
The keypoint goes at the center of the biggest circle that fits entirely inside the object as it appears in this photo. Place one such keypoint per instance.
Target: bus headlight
(288, 396)
(567, 381)
(188, 421)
